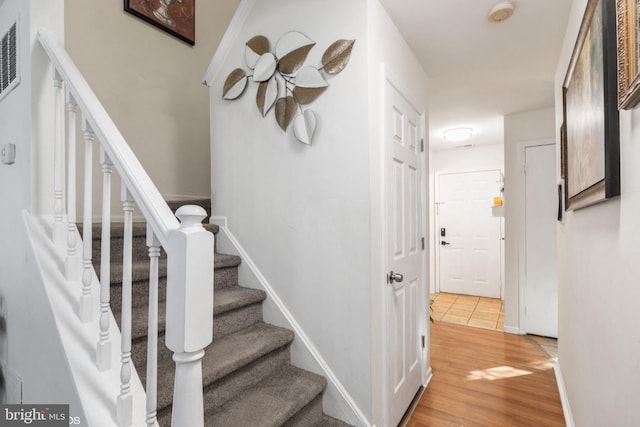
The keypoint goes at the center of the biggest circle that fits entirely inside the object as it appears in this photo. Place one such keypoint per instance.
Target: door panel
(404, 235)
(541, 299)
(470, 251)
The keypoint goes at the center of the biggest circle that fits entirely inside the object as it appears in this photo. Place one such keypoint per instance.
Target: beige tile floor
(468, 310)
(548, 345)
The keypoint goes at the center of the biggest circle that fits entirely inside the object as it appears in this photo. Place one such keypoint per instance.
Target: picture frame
(590, 110)
(628, 31)
(176, 17)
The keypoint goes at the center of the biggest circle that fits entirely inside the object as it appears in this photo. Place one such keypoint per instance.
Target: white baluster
(125, 399)
(72, 270)
(152, 338)
(104, 343)
(58, 228)
(189, 326)
(86, 300)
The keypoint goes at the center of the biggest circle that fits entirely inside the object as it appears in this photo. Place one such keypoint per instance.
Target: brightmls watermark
(34, 415)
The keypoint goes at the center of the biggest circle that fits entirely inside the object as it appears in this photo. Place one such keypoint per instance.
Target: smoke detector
(501, 12)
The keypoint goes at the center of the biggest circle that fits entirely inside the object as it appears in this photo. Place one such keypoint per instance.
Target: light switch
(8, 154)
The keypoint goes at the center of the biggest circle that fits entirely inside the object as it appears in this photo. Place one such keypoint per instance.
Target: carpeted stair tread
(222, 357)
(226, 260)
(140, 268)
(272, 402)
(224, 301)
(241, 348)
(228, 299)
(328, 421)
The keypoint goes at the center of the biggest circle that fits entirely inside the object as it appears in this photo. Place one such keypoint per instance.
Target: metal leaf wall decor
(285, 83)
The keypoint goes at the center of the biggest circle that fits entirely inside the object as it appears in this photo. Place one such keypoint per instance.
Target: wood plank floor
(487, 378)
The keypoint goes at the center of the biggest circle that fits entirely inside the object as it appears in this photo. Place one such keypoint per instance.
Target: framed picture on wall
(176, 17)
(590, 110)
(628, 26)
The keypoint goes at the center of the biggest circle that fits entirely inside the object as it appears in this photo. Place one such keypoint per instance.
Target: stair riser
(225, 277)
(307, 416)
(236, 320)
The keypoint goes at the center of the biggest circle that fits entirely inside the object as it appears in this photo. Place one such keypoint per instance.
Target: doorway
(468, 234)
(538, 281)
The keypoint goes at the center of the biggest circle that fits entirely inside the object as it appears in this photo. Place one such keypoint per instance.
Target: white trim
(513, 330)
(564, 397)
(522, 224)
(295, 326)
(225, 45)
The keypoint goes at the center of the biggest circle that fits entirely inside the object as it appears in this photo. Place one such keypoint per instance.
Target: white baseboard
(337, 401)
(512, 330)
(564, 397)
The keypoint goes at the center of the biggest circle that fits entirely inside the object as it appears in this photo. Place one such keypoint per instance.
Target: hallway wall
(150, 83)
(598, 272)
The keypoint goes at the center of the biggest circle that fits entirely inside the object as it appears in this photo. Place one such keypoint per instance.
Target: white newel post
(189, 327)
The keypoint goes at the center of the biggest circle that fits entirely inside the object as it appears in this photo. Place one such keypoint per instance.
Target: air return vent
(9, 61)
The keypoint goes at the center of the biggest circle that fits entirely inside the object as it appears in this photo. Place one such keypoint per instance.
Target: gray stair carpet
(247, 375)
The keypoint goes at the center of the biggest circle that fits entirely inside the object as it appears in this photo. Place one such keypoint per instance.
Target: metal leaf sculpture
(285, 81)
(235, 84)
(256, 47)
(336, 57)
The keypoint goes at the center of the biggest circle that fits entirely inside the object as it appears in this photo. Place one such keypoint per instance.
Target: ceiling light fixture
(457, 134)
(501, 12)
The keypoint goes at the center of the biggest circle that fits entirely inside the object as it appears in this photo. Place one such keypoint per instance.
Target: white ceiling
(480, 71)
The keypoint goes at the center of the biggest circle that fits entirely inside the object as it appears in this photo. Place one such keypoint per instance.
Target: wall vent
(9, 77)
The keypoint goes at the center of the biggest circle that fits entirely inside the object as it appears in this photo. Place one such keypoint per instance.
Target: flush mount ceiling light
(457, 134)
(501, 12)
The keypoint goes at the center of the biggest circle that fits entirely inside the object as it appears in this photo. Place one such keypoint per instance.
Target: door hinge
(422, 145)
(423, 341)
(423, 243)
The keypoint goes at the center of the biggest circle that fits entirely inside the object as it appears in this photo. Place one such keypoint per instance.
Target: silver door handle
(394, 277)
(443, 243)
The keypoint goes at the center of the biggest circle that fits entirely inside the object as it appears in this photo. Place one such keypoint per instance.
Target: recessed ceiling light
(457, 134)
(501, 12)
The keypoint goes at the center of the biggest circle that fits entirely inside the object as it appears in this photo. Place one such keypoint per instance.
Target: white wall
(520, 127)
(478, 158)
(30, 346)
(151, 85)
(302, 212)
(388, 54)
(598, 274)
(311, 216)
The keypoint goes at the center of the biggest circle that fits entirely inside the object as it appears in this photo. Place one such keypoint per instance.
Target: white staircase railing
(189, 298)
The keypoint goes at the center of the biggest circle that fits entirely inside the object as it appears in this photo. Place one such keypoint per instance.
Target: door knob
(443, 243)
(394, 277)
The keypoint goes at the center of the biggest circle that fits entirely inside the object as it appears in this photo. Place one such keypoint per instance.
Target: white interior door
(403, 129)
(468, 234)
(541, 210)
